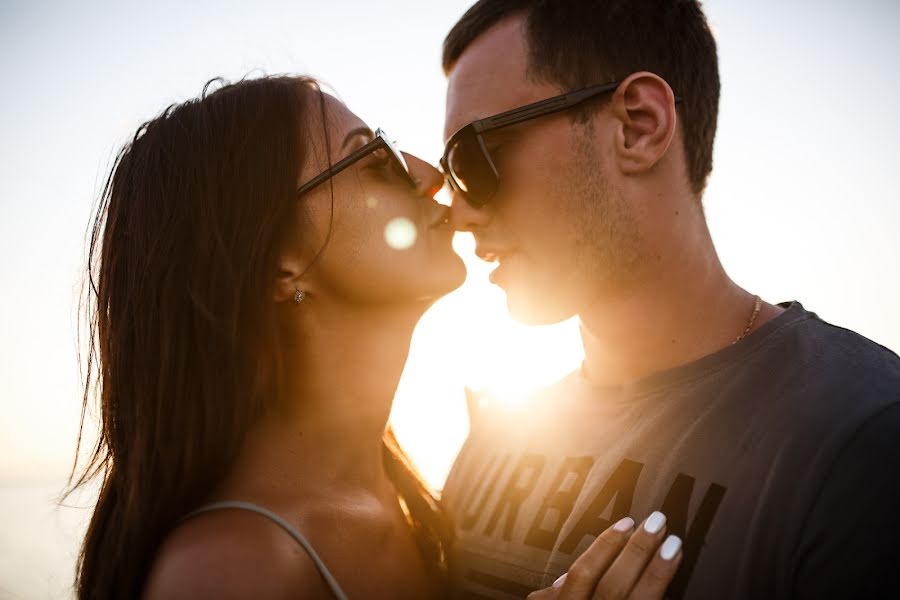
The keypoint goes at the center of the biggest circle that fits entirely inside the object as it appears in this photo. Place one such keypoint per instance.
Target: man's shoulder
(842, 344)
(836, 361)
(816, 387)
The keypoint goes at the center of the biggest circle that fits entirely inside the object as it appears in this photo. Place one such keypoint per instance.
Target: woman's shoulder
(232, 554)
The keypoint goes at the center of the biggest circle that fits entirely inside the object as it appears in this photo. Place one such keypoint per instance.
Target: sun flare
(400, 233)
(468, 340)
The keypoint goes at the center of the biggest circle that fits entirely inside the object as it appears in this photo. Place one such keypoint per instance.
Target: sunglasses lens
(472, 171)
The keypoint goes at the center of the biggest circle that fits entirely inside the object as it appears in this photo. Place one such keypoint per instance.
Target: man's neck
(683, 310)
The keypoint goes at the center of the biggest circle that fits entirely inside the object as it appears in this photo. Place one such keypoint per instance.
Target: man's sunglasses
(381, 142)
(466, 162)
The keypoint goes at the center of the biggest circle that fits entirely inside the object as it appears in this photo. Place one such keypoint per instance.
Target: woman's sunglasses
(468, 165)
(380, 142)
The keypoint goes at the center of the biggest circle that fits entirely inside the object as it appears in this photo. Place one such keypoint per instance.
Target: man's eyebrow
(355, 133)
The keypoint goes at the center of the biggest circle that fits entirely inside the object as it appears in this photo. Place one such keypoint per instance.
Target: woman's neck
(339, 381)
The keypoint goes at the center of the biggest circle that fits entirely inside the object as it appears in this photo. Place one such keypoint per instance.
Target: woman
(250, 324)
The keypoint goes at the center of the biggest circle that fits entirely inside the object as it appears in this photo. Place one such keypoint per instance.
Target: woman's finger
(626, 569)
(544, 594)
(582, 577)
(659, 573)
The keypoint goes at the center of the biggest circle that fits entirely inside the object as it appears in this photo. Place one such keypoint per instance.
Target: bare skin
(649, 289)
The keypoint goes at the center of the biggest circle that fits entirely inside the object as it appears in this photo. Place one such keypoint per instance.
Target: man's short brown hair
(577, 43)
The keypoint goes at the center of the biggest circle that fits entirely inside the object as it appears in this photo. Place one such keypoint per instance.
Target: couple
(251, 325)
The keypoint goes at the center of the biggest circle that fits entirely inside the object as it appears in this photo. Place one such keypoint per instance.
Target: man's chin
(533, 309)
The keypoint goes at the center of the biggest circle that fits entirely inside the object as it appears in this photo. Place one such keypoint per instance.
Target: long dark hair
(183, 351)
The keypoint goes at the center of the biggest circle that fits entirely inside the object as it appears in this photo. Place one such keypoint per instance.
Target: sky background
(803, 202)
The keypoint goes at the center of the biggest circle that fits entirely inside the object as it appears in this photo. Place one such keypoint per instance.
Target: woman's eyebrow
(355, 133)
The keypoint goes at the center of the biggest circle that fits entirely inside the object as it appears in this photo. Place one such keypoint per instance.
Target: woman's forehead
(340, 120)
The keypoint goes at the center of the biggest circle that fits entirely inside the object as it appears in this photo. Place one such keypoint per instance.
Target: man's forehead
(490, 76)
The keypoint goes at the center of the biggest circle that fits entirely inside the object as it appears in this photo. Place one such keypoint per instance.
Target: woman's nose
(429, 180)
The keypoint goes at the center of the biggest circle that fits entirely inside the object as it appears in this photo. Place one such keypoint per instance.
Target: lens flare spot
(371, 202)
(400, 233)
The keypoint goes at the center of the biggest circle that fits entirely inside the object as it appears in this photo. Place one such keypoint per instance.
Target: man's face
(561, 233)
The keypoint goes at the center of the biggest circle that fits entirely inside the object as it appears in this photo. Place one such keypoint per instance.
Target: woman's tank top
(298, 537)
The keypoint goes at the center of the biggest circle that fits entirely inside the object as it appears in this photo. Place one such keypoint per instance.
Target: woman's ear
(644, 106)
(291, 275)
(286, 281)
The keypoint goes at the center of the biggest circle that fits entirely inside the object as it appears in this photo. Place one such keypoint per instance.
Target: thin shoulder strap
(298, 537)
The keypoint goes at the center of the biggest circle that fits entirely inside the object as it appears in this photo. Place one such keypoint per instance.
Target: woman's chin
(457, 275)
(446, 278)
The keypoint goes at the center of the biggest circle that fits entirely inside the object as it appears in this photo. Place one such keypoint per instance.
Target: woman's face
(389, 241)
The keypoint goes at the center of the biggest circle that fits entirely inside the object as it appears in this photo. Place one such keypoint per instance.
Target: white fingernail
(624, 524)
(560, 581)
(670, 547)
(655, 522)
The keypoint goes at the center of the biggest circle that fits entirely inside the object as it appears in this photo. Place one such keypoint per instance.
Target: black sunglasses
(466, 162)
(380, 142)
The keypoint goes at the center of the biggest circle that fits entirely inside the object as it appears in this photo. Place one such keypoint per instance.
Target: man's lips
(502, 257)
(498, 275)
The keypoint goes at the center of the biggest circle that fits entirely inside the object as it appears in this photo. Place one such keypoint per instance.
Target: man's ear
(644, 106)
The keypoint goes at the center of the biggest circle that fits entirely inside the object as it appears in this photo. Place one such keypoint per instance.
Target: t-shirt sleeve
(850, 545)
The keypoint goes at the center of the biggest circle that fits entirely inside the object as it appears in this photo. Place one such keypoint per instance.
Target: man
(769, 438)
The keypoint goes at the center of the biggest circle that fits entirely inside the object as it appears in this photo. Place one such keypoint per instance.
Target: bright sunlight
(468, 340)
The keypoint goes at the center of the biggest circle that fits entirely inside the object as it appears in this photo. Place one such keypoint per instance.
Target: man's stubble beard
(605, 254)
(608, 251)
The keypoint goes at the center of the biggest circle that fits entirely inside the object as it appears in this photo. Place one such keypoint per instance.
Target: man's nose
(464, 216)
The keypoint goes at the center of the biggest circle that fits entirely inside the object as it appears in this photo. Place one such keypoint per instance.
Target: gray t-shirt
(777, 461)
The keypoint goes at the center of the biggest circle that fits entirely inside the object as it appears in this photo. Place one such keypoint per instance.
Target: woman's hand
(621, 564)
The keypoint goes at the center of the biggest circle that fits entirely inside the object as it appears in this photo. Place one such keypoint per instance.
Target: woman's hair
(183, 338)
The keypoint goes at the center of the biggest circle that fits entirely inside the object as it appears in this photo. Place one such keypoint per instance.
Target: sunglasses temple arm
(342, 164)
(544, 107)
